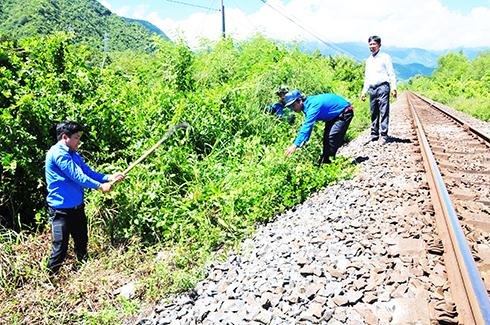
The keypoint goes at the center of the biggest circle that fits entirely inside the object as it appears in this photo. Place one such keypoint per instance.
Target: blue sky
(465, 6)
(431, 24)
(179, 10)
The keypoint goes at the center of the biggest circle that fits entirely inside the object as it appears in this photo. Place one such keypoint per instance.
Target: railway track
(457, 160)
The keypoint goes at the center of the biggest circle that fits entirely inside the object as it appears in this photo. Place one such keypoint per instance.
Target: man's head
(294, 100)
(69, 132)
(281, 92)
(374, 43)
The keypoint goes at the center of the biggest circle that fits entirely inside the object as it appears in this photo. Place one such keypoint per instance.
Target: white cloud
(106, 4)
(405, 23)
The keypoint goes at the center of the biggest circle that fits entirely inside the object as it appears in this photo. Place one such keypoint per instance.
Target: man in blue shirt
(279, 107)
(333, 109)
(67, 176)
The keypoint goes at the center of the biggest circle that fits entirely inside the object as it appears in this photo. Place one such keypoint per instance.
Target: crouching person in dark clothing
(67, 176)
(335, 111)
(279, 107)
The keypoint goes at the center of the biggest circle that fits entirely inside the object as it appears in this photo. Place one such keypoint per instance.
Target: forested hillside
(91, 23)
(460, 83)
(204, 188)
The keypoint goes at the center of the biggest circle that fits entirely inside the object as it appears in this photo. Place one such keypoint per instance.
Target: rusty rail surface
(469, 291)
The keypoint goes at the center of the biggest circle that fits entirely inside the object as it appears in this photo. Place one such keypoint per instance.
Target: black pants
(66, 222)
(379, 99)
(334, 134)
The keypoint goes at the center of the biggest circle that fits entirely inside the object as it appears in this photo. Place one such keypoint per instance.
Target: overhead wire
(294, 21)
(285, 15)
(192, 5)
(208, 9)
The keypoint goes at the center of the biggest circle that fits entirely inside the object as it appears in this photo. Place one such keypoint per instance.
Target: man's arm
(71, 170)
(391, 75)
(307, 127)
(101, 178)
(305, 131)
(365, 85)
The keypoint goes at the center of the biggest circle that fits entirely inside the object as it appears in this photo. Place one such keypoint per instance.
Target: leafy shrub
(459, 83)
(47, 80)
(212, 182)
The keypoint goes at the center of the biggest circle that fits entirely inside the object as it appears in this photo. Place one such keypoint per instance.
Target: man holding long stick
(67, 176)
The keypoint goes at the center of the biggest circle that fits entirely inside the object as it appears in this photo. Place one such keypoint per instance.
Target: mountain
(152, 28)
(407, 62)
(406, 71)
(91, 23)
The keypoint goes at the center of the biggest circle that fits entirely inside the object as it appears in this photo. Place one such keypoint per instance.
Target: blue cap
(292, 96)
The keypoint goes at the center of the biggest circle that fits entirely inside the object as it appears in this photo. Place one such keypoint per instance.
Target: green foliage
(130, 105)
(44, 81)
(459, 83)
(93, 24)
(176, 61)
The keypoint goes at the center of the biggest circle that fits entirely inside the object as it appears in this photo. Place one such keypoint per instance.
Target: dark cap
(282, 90)
(292, 96)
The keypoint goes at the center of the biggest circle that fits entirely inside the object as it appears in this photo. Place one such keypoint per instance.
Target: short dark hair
(375, 38)
(67, 127)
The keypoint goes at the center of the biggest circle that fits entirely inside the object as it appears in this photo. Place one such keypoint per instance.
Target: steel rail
(465, 125)
(469, 291)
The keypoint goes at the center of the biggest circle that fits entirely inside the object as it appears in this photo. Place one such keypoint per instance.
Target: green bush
(459, 83)
(46, 80)
(212, 182)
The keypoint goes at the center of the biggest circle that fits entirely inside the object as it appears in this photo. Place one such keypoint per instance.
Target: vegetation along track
(457, 160)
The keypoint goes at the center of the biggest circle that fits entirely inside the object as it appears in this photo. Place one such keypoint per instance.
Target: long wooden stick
(156, 145)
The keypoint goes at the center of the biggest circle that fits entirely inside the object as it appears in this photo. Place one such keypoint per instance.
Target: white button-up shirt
(379, 69)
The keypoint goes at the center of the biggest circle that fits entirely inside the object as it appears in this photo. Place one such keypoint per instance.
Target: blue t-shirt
(324, 107)
(277, 108)
(284, 113)
(66, 176)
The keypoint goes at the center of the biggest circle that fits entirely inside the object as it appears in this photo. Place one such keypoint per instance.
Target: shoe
(323, 160)
(384, 140)
(374, 139)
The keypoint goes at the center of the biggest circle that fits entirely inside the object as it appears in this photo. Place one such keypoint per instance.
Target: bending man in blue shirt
(333, 109)
(67, 176)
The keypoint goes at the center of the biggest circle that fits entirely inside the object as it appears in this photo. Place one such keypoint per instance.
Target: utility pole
(106, 48)
(106, 42)
(222, 9)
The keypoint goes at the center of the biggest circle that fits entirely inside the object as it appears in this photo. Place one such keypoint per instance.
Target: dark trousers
(66, 222)
(334, 134)
(379, 100)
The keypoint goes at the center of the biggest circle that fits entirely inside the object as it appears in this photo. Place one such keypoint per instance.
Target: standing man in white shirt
(377, 79)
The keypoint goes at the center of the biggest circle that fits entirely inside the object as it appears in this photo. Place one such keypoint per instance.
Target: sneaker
(374, 139)
(384, 140)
